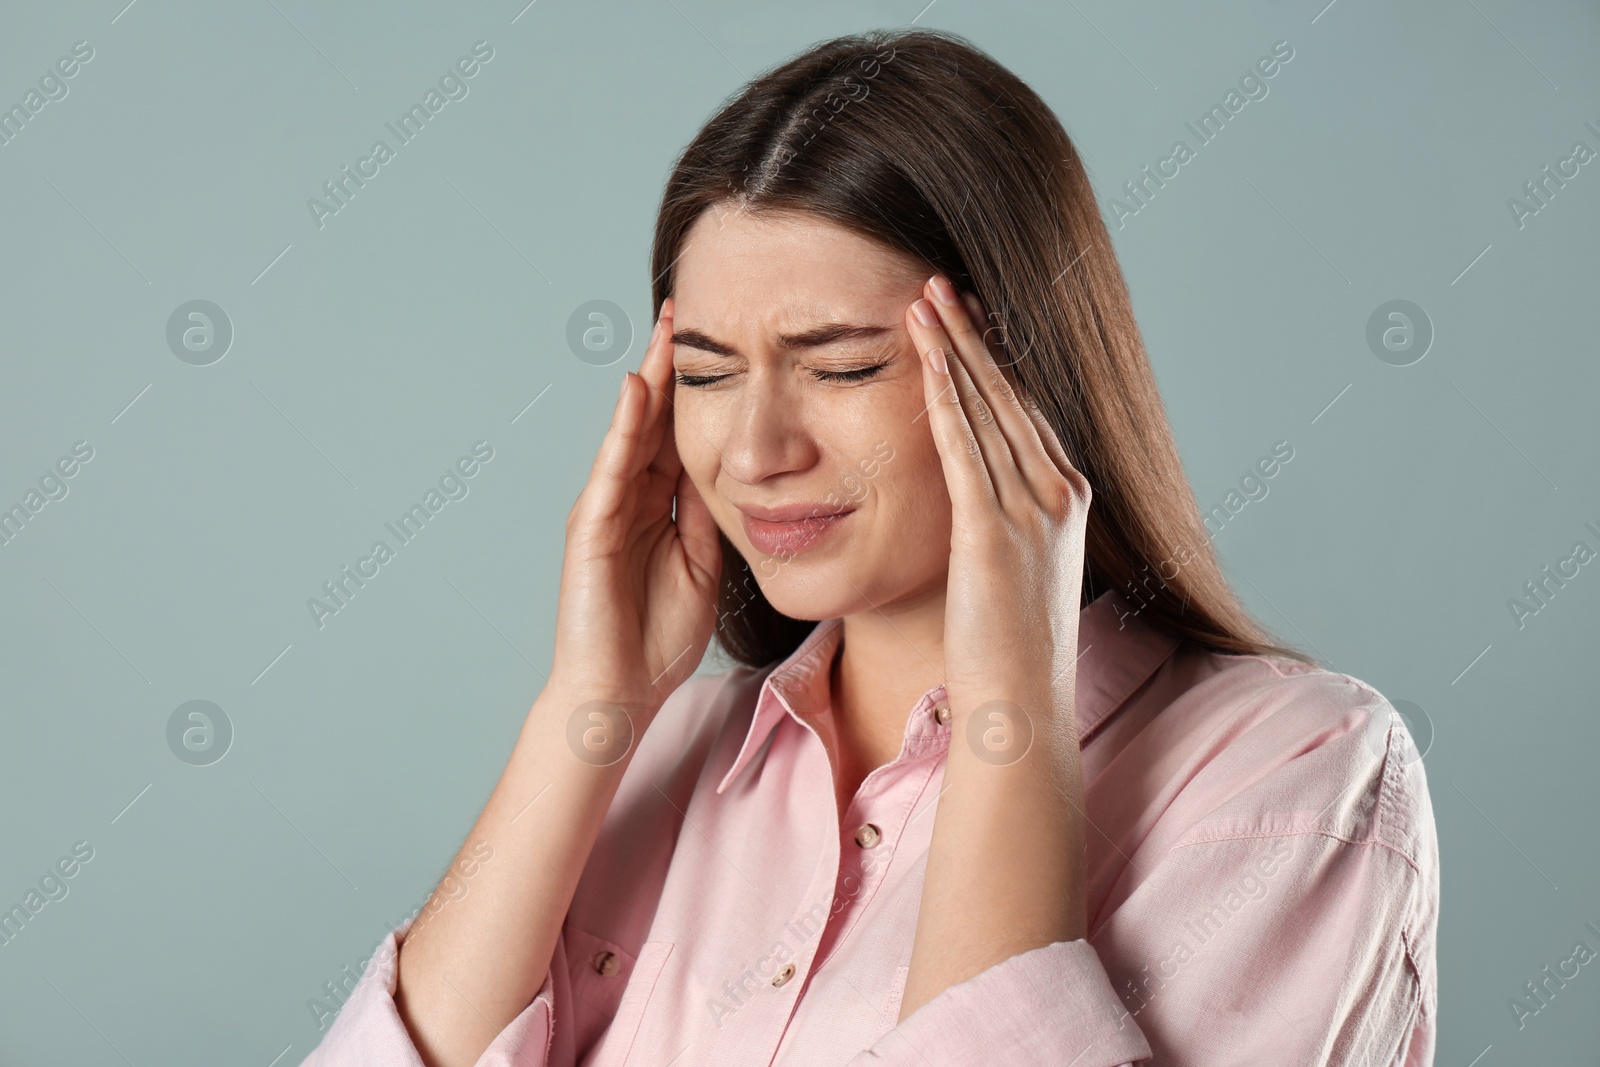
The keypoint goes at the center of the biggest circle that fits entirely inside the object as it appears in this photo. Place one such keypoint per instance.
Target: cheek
(910, 488)
(925, 498)
(695, 442)
(698, 436)
(888, 452)
(907, 547)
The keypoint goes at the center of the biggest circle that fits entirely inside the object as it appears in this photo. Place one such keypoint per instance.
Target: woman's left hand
(1005, 866)
(1019, 509)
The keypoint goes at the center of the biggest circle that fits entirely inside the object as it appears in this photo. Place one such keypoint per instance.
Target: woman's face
(800, 393)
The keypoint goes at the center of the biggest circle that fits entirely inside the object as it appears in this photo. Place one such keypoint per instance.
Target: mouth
(793, 528)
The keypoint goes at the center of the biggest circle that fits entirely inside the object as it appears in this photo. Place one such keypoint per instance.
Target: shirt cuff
(369, 1029)
(1052, 1004)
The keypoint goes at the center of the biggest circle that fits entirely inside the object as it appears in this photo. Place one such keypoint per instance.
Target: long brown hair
(920, 141)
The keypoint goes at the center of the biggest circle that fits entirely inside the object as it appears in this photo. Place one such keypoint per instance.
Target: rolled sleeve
(1053, 1004)
(369, 1029)
(1321, 959)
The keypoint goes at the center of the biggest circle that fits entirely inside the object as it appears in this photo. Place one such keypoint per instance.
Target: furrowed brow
(816, 337)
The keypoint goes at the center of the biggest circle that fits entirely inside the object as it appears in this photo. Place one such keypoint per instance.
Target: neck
(887, 660)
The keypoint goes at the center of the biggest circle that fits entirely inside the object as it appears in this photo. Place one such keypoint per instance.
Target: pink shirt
(1263, 885)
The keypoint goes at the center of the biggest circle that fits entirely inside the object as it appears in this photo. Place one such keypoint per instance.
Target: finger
(664, 447)
(656, 371)
(993, 336)
(614, 462)
(965, 472)
(1008, 348)
(656, 367)
(990, 442)
(658, 447)
(638, 427)
(1026, 449)
(1047, 435)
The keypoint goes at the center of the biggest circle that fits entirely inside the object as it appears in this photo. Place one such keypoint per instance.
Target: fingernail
(925, 313)
(944, 292)
(936, 357)
(622, 390)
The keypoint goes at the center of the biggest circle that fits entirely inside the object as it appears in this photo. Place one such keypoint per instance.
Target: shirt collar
(1118, 652)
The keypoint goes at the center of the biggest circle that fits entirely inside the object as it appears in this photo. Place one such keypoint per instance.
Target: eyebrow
(816, 337)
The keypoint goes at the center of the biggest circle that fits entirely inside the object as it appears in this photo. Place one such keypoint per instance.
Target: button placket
(858, 877)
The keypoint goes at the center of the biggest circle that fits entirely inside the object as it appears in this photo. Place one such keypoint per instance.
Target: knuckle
(1068, 496)
(1062, 499)
(1001, 384)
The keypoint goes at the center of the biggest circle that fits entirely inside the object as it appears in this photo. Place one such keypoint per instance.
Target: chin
(838, 584)
(806, 589)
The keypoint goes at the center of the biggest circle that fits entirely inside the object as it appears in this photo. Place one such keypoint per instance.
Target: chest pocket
(600, 969)
(631, 996)
(631, 1010)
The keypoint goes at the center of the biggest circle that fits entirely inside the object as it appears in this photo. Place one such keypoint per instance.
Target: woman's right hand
(638, 585)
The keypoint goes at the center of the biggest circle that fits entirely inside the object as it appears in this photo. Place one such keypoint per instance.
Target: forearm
(1005, 865)
(482, 956)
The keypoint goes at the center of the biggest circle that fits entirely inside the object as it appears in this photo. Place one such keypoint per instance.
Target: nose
(767, 433)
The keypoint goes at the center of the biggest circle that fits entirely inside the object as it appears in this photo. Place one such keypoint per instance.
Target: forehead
(737, 268)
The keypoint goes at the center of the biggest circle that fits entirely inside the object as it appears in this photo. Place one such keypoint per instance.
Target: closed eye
(854, 375)
(699, 380)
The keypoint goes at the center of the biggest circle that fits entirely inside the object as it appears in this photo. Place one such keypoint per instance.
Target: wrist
(598, 726)
(564, 695)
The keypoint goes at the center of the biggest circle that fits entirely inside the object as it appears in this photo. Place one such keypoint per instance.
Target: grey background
(371, 353)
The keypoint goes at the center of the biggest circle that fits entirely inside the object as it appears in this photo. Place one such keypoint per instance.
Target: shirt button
(868, 836)
(606, 963)
(941, 711)
(784, 975)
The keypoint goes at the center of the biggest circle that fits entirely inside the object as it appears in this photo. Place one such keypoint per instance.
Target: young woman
(1005, 773)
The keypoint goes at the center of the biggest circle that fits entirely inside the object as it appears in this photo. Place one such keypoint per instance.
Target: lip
(790, 529)
(791, 512)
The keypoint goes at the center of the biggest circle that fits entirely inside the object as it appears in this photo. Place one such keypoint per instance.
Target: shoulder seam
(1302, 833)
